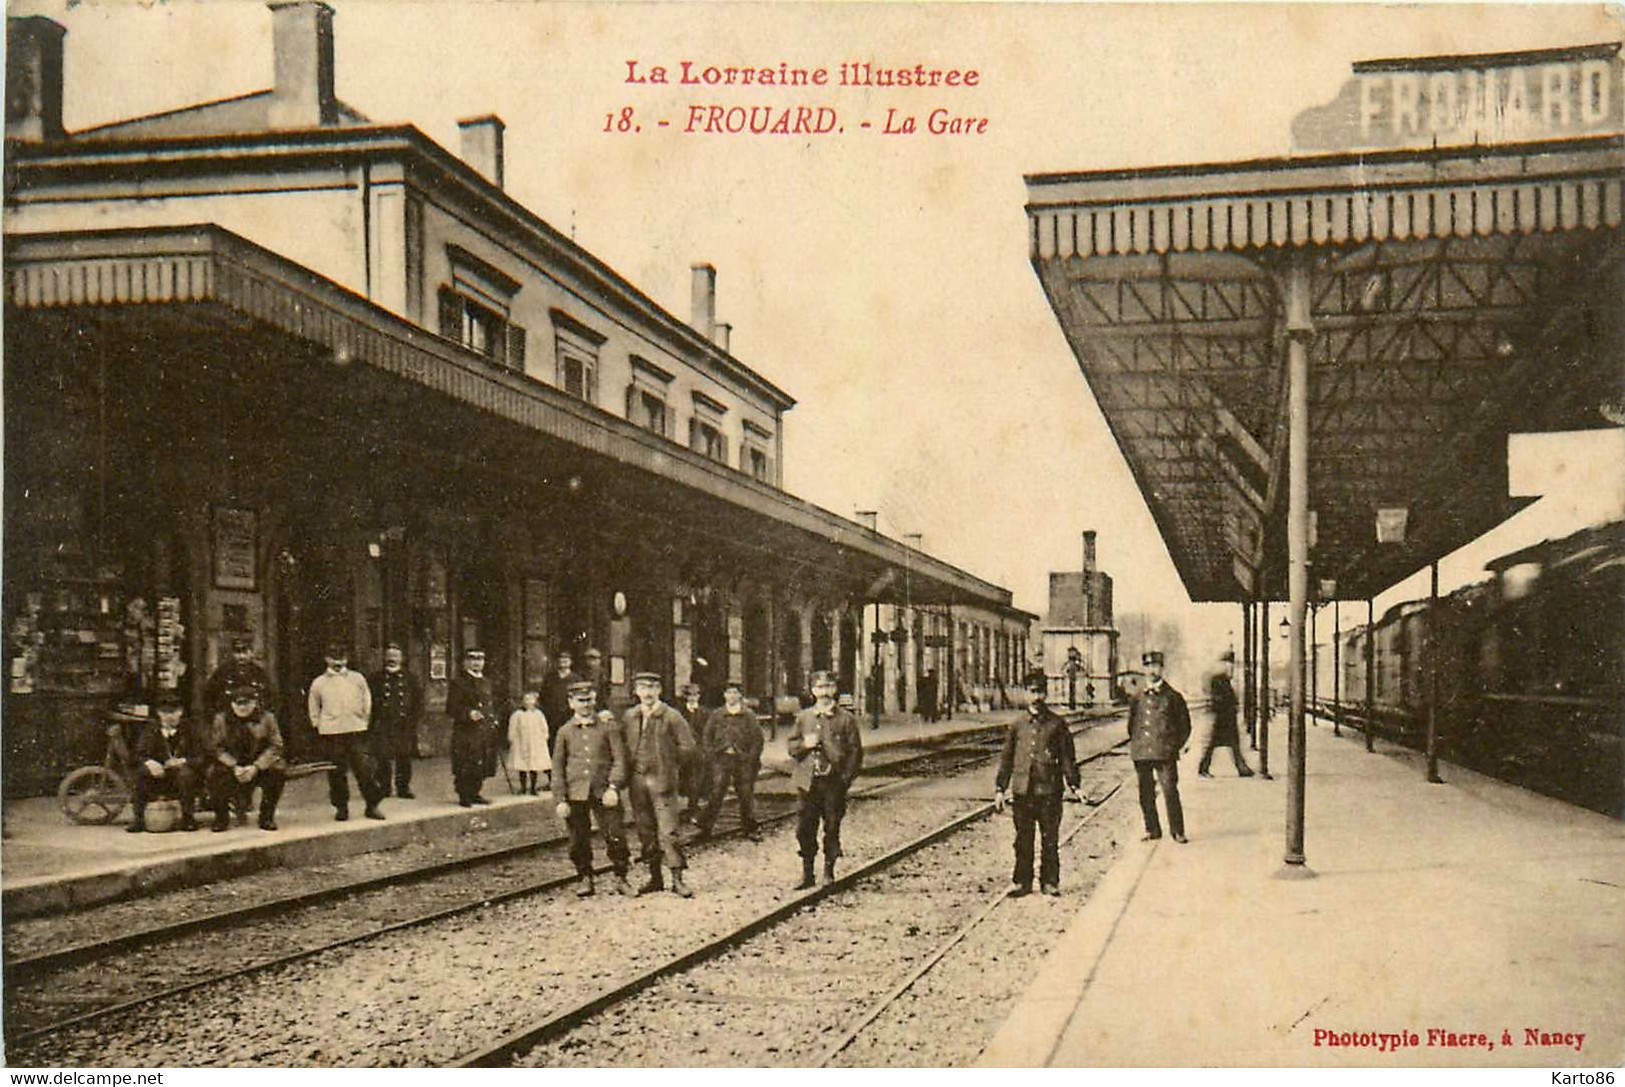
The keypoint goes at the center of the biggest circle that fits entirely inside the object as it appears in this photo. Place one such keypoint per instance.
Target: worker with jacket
(827, 747)
(1038, 762)
(244, 751)
(589, 778)
(1159, 726)
(733, 747)
(658, 745)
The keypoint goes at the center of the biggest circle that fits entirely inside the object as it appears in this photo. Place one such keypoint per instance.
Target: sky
(883, 280)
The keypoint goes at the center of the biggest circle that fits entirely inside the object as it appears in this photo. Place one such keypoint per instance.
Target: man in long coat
(658, 744)
(1221, 698)
(1159, 725)
(472, 709)
(827, 747)
(397, 704)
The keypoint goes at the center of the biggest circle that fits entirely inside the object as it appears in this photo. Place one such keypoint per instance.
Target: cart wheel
(92, 794)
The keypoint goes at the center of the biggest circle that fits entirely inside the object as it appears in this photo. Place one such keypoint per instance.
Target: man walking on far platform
(658, 743)
(1222, 699)
(1037, 762)
(827, 746)
(1159, 726)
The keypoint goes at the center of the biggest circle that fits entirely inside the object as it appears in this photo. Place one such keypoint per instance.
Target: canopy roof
(1456, 295)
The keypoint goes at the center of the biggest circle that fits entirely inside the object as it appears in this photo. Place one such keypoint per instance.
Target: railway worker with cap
(168, 763)
(555, 692)
(1037, 763)
(397, 708)
(244, 750)
(658, 743)
(697, 780)
(340, 705)
(1159, 726)
(1222, 700)
(733, 745)
(472, 709)
(240, 668)
(589, 776)
(827, 747)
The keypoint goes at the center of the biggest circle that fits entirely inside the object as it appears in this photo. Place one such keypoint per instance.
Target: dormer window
(475, 310)
(648, 398)
(705, 434)
(575, 347)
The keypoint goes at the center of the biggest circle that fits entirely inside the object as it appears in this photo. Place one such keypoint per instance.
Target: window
(754, 458)
(705, 429)
(575, 347)
(646, 397)
(475, 307)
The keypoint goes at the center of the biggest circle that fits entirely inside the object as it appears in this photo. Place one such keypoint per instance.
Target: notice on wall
(235, 541)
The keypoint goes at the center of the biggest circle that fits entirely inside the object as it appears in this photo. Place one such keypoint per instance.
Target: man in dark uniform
(1159, 726)
(658, 743)
(733, 745)
(827, 747)
(697, 779)
(397, 705)
(245, 750)
(473, 715)
(927, 704)
(589, 776)
(555, 690)
(598, 675)
(1222, 699)
(239, 669)
(168, 763)
(1037, 762)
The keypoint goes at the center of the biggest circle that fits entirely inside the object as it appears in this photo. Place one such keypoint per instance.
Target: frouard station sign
(1455, 101)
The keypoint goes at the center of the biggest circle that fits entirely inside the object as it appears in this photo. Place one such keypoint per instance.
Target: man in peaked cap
(658, 744)
(240, 667)
(1222, 700)
(827, 747)
(472, 709)
(1159, 726)
(697, 780)
(1037, 763)
(733, 742)
(589, 776)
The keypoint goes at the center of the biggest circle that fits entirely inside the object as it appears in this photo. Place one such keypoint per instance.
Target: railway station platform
(1435, 913)
(49, 864)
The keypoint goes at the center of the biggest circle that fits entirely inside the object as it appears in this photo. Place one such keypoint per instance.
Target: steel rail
(28, 967)
(224, 919)
(559, 1023)
(930, 961)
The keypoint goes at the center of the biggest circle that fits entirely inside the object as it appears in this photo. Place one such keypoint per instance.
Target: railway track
(556, 1025)
(134, 972)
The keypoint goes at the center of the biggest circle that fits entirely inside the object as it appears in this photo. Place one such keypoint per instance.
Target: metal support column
(1247, 669)
(1433, 674)
(1337, 669)
(1299, 329)
(1266, 697)
(1370, 673)
(1314, 663)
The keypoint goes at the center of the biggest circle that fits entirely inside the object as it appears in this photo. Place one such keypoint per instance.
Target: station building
(274, 371)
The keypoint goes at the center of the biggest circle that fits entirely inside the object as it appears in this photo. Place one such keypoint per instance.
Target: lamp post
(877, 640)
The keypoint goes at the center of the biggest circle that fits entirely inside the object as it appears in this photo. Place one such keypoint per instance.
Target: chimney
(303, 94)
(703, 311)
(1088, 552)
(724, 335)
(34, 78)
(482, 146)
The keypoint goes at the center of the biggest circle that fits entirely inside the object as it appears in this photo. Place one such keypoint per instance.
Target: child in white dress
(528, 746)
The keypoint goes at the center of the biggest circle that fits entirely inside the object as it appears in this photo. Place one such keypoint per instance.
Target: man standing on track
(827, 746)
(733, 743)
(658, 743)
(1159, 726)
(1037, 762)
(589, 774)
